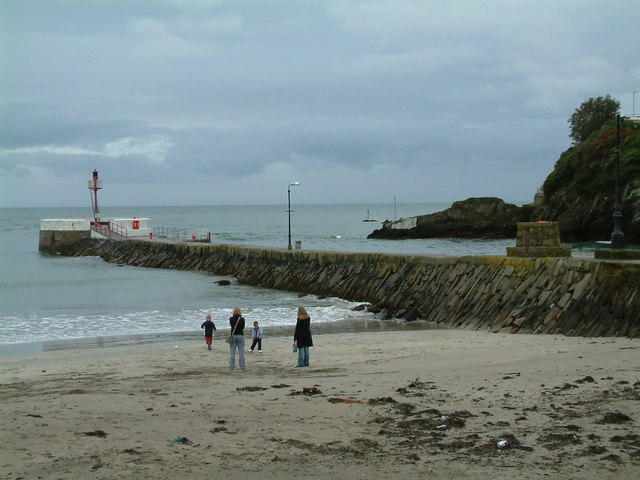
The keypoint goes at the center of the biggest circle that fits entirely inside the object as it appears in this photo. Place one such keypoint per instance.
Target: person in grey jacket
(236, 322)
(256, 336)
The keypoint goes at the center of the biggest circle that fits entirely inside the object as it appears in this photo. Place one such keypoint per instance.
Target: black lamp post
(617, 236)
(292, 184)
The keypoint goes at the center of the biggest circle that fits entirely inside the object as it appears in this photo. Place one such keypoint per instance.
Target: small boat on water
(369, 219)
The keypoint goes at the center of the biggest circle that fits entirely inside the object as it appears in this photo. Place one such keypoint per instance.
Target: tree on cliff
(591, 116)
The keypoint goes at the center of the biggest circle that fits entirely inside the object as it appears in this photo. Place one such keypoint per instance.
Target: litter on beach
(94, 433)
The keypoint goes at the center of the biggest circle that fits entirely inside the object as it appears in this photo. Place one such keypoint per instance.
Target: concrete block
(538, 239)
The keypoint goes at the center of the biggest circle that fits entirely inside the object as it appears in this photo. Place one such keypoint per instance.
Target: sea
(49, 301)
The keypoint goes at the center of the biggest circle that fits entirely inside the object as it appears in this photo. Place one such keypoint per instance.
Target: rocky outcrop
(486, 217)
(500, 294)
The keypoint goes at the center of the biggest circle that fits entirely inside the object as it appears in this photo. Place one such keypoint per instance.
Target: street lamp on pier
(292, 184)
(617, 236)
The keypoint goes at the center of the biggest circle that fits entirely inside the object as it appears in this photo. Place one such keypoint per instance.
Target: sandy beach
(396, 404)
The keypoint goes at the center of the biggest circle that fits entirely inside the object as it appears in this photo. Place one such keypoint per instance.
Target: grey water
(48, 297)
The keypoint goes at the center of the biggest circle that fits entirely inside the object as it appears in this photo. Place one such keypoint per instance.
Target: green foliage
(588, 167)
(591, 116)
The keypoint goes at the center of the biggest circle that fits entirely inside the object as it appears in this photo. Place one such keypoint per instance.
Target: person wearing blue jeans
(236, 322)
(302, 337)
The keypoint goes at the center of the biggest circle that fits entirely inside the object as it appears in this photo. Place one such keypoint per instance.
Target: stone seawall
(500, 294)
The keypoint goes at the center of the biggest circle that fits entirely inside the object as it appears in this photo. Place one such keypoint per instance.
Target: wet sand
(375, 403)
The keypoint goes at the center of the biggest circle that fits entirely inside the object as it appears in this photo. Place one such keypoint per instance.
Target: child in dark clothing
(209, 328)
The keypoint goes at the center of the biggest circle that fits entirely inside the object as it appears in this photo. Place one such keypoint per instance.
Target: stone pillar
(538, 239)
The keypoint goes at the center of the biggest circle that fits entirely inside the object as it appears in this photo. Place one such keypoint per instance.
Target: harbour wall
(567, 296)
(58, 233)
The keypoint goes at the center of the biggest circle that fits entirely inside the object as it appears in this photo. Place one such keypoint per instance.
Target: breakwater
(500, 294)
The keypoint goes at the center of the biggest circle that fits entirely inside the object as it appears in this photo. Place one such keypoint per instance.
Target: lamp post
(617, 236)
(292, 184)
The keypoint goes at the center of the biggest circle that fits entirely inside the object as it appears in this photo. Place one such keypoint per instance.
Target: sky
(226, 102)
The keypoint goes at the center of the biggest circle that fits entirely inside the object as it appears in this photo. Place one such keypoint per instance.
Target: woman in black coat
(302, 337)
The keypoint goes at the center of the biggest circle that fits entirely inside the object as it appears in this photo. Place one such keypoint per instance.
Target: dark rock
(588, 379)
(554, 441)
(361, 307)
(412, 315)
(486, 217)
(223, 282)
(374, 309)
(615, 417)
(594, 450)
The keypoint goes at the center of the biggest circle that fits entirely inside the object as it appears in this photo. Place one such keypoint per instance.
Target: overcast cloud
(192, 102)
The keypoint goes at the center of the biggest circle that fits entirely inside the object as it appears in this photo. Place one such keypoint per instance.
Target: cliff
(579, 192)
(500, 294)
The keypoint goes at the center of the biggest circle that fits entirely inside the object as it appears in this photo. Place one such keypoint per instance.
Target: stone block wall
(51, 241)
(538, 234)
(500, 294)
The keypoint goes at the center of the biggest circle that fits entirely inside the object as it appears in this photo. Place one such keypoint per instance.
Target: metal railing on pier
(101, 229)
(110, 230)
(182, 234)
(119, 229)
